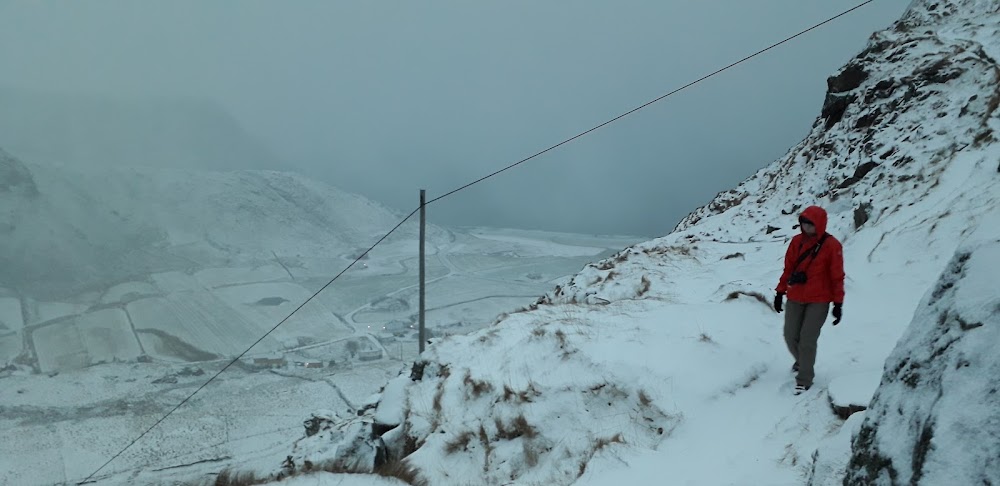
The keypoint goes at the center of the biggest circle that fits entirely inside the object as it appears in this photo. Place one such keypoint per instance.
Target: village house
(270, 362)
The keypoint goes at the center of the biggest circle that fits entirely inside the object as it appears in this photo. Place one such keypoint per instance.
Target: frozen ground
(106, 365)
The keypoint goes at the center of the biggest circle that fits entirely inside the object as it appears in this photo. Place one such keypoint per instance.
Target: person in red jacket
(813, 279)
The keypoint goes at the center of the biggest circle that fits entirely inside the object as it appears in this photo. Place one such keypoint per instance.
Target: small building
(270, 362)
(369, 354)
(313, 364)
(397, 326)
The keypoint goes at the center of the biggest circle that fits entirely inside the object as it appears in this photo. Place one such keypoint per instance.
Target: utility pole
(423, 221)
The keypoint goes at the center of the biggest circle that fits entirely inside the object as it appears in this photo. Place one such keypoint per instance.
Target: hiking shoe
(799, 389)
(795, 367)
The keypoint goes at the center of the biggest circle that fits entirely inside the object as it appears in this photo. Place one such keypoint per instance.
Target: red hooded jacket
(824, 271)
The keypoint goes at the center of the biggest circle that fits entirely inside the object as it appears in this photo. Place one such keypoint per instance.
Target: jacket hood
(817, 215)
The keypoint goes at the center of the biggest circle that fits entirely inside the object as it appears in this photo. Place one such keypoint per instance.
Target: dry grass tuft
(444, 371)
(561, 337)
(519, 427)
(437, 397)
(395, 469)
(599, 444)
(228, 477)
(644, 398)
(525, 396)
(460, 443)
(508, 393)
(484, 439)
(477, 387)
(602, 442)
(756, 295)
(402, 471)
(644, 287)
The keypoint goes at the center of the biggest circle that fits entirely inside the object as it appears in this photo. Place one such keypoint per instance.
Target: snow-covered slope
(68, 229)
(103, 131)
(665, 364)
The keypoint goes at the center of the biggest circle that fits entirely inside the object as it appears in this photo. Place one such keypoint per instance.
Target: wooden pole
(423, 221)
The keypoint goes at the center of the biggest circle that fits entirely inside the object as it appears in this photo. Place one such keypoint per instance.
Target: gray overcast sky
(384, 98)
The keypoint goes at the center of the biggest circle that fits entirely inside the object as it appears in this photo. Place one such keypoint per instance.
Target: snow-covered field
(72, 414)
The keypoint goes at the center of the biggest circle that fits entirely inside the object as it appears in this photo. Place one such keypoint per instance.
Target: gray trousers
(802, 326)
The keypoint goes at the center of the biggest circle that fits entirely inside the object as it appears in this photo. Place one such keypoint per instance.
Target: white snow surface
(660, 366)
(665, 363)
(854, 388)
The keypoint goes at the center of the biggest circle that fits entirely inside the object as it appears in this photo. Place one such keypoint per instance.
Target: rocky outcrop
(894, 119)
(935, 418)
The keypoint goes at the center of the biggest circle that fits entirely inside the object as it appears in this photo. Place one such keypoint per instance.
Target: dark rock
(859, 173)
(794, 210)
(876, 48)
(861, 215)
(834, 108)
(941, 72)
(379, 428)
(417, 371)
(868, 119)
(866, 461)
(314, 424)
(848, 79)
(883, 89)
(771, 229)
(844, 412)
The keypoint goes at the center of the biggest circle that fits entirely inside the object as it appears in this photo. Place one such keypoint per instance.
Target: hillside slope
(68, 229)
(660, 363)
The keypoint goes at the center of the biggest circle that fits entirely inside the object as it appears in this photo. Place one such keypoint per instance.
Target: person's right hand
(777, 301)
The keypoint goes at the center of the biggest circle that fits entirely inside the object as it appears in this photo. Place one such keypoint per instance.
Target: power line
(268, 333)
(453, 191)
(644, 105)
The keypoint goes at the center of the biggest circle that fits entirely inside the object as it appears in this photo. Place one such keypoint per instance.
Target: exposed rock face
(348, 443)
(936, 416)
(895, 117)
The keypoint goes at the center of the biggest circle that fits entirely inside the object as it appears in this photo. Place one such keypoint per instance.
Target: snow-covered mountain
(121, 290)
(102, 265)
(66, 229)
(93, 130)
(665, 363)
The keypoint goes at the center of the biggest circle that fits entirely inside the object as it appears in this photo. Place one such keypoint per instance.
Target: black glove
(777, 301)
(838, 312)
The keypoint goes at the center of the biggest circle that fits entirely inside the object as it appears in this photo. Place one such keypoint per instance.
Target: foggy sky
(385, 98)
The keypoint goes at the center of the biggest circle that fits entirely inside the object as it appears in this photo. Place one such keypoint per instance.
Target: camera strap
(812, 251)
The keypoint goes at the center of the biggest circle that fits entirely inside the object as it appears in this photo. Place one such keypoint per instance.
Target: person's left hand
(838, 312)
